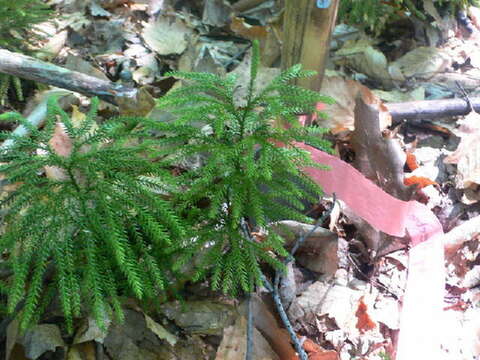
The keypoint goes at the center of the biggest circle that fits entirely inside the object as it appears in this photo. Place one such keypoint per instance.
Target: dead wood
(431, 109)
(30, 68)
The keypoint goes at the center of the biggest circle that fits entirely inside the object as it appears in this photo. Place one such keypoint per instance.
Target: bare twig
(278, 304)
(249, 352)
(283, 315)
(274, 289)
(302, 238)
(99, 352)
(465, 95)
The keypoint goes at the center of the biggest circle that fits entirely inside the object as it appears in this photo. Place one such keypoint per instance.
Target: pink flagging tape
(421, 320)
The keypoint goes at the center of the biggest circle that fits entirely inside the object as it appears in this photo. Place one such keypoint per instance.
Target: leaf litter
(344, 292)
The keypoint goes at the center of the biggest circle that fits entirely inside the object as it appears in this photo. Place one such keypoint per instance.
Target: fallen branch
(30, 68)
(430, 109)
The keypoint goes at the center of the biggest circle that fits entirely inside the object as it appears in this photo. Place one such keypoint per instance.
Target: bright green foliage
(17, 20)
(247, 178)
(375, 14)
(95, 232)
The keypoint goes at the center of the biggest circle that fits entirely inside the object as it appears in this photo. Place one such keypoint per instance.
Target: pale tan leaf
(344, 92)
(160, 331)
(167, 35)
(423, 62)
(467, 155)
(84, 351)
(62, 145)
(364, 58)
(40, 339)
(234, 343)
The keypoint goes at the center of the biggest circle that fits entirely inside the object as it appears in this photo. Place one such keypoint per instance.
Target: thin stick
(304, 237)
(249, 352)
(283, 315)
(278, 304)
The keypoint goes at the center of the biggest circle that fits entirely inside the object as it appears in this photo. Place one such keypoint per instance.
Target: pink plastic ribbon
(421, 318)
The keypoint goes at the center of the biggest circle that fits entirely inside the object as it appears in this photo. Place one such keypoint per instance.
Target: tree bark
(307, 33)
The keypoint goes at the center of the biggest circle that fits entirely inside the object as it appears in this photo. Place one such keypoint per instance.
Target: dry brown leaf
(364, 58)
(316, 352)
(241, 28)
(364, 321)
(467, 155)
(380, 158)
(268, 326)
(83, 351)
(423, 62)
(216, 12)
(62, 145)
(234, 343)
(318, 252)
(40, 339)
(60, 142)
(160, 331)
(344, 92)
(167, 35)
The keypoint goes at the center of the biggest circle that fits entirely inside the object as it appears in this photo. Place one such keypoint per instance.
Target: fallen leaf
(167, 35)
(243, 29)
(40, 339)
(397, 96)
(337, 301)
(268, 326)
(340, 116)
(60, 141)
(467, 155)
(76, 63)
(411, 161)
(52, 48)
(423, 62)
(83, 351)
(89, 331)
(12, 333)
(316, 352)
(234, 343)
(380, 158)
(319, 250)
(420, 181)
(264, 78)
(364, 321)
(200, 317)
(216, 12)
(364, 58)
(160, 331)
(62, 145)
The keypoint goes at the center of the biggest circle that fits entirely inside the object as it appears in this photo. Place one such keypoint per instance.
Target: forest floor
(344, 292)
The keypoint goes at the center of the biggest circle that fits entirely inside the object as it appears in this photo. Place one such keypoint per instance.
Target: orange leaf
(411, 161)
(240, 27)
(420, 181)
(310, 347)
(364, 322)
